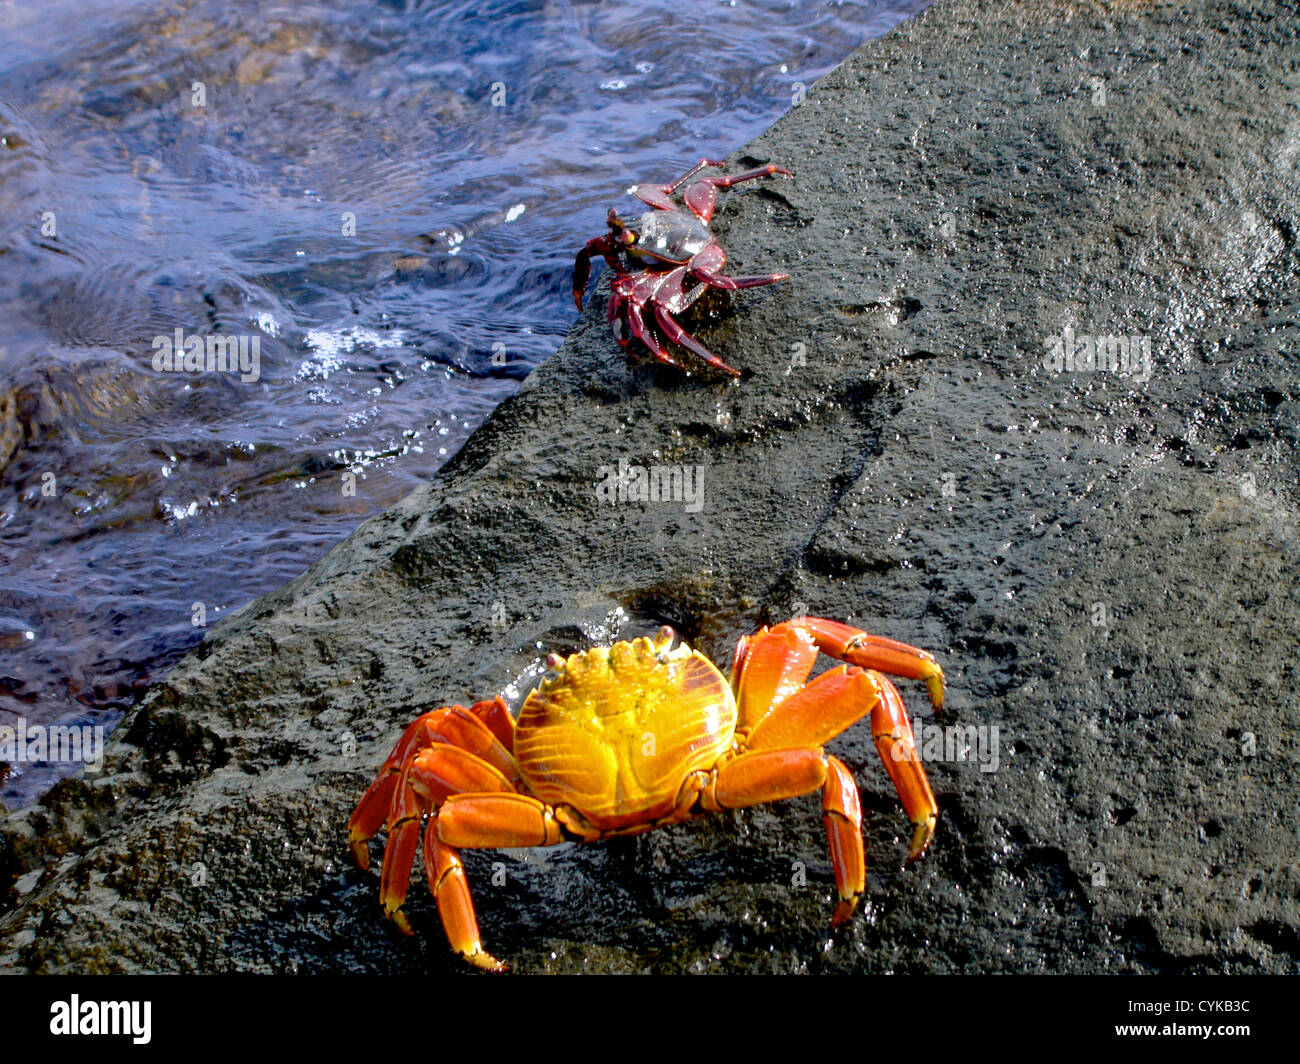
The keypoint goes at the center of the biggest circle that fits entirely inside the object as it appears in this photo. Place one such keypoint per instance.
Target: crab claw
(581, 275)
(619, 238)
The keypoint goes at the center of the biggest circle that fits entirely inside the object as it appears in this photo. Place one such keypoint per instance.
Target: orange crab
(639, 735)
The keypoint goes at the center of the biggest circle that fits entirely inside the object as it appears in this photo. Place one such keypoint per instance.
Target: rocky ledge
(1030, 400)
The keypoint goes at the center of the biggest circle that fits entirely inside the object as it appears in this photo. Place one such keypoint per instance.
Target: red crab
(678, 247)
(639, 735)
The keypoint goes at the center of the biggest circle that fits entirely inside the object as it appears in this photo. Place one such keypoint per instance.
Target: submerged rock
(1028, 401)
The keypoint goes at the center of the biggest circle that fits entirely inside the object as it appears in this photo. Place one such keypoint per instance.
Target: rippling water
(386, 196)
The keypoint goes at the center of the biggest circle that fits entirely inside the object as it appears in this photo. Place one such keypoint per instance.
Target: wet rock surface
(1104, 560)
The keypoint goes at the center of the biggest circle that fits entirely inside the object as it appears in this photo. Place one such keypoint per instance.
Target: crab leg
(734, 284)
(395, 872)
(896, 744)
(703, 164)
(488, 821)
(455, 905)
(855, 646)
(660, 196)
(842, 812)
(661, 291)
(634, 291)
(639, 329)
(427, 780)
(678, 335)
(612, 309)
(701, 196)
(831, 704)
(705, 265)
(454, 725)
(496, 715)
(727, 180)
(758, 777)
(768, 669)
(815, 715)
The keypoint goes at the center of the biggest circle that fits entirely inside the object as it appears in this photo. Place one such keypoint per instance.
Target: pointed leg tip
(935, 686)
(358, 844)
(399, 920)
(482, 959)
(921, 838)
(843, 910)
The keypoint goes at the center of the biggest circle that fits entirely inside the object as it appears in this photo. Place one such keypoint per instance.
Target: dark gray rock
(1107, 565)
